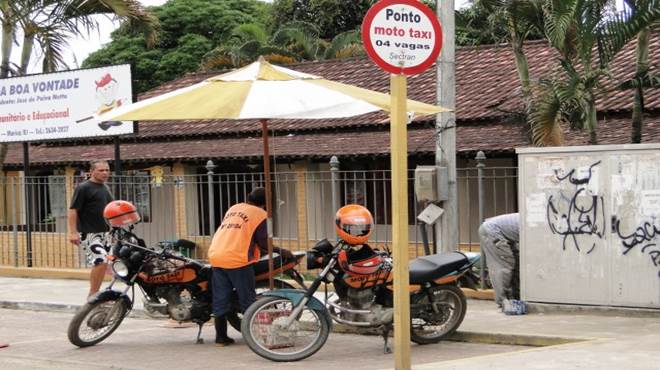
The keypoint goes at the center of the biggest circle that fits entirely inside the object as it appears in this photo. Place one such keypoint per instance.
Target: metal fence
(33, 210)
(483, 192)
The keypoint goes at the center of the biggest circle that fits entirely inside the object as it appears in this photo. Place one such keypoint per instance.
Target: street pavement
(34, 314)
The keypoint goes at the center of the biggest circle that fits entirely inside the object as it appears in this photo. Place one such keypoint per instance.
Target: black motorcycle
(290, 324)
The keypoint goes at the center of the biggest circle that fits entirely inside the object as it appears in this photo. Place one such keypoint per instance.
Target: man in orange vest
(236, 246)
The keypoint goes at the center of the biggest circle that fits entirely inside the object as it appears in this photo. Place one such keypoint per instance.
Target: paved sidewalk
(562, 340)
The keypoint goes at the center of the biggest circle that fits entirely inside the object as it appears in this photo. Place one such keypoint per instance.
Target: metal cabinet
(590, 225)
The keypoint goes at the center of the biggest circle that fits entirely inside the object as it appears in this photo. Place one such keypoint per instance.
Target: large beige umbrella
(262, 91)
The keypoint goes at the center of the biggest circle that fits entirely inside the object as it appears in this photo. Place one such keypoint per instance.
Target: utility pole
(445, 150)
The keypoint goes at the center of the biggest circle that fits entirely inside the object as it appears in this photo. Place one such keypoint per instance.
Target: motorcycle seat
(205, 272)
(431, 267)
(261, 267)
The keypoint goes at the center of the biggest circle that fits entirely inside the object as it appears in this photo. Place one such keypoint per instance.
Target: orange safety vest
(232, 245)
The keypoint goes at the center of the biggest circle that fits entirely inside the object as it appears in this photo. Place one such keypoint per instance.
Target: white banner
(61, 105)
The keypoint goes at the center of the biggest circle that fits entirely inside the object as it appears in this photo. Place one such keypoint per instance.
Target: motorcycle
(171, 284)
(291, 324)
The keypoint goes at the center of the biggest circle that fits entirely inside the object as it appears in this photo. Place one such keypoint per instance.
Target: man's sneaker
(224, 342)
(514, 307)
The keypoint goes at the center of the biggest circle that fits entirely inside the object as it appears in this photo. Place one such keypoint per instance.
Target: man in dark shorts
(87, 228)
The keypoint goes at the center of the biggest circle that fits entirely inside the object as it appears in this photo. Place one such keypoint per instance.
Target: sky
(82, 47)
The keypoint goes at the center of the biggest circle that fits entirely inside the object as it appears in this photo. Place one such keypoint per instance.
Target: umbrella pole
(269, 208)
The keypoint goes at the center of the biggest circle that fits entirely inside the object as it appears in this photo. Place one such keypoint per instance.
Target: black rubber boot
(221, 338)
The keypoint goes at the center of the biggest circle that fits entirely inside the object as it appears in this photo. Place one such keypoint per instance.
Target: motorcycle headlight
(120, 269)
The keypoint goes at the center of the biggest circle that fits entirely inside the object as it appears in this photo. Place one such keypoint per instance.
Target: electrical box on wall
(430, 214)
(427, 179)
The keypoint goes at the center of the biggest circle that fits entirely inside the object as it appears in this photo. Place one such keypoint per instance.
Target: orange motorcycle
(171, 284)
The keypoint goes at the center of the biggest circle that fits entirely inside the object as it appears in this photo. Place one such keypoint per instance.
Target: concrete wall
(590, 225)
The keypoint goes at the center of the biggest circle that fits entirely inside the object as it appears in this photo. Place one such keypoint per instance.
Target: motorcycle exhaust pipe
(348, 310)
(352, 323)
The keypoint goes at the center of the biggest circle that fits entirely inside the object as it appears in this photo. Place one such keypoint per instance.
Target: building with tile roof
(488, 96)
(168, 179)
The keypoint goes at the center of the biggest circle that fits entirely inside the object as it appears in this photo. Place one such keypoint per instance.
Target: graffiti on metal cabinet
(578, 215)
(643, 235)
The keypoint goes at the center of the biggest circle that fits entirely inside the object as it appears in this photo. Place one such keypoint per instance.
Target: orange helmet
(353, 224)
(363, 262)
(120, 213)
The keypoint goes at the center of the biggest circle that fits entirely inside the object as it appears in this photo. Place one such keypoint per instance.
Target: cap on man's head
(257, 197)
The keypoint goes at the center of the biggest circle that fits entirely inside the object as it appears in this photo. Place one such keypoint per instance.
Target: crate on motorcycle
(269, 335)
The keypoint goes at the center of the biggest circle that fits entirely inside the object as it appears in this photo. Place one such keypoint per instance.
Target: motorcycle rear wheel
(234, 318)
(96, 321)
(438, 319)
(306, 335)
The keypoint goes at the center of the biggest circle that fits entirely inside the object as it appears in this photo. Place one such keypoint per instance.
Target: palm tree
(50, 23)
(304, 39)
(642, 77)
(246, 43)
(522, 17)
(8, 20)
(581, 30)
(476, 25)
(293, 42)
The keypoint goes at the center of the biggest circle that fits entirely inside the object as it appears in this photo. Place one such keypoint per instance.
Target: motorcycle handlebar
(164, 253)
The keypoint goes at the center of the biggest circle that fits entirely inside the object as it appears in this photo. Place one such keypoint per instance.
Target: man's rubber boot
(221, 338)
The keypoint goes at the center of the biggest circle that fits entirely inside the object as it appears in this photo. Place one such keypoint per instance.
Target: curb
(47, 273)
(531, 340)
(137, 313)
(459, 336)
(44, 273)
(557, 308)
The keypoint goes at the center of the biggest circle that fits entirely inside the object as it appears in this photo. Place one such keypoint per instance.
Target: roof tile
(486, 87)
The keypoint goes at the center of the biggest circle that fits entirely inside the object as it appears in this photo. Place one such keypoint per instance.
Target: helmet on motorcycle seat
(353, 224)
(364, 261)
(120, 213)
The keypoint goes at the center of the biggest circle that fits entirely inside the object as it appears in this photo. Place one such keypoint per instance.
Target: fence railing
(33, 210)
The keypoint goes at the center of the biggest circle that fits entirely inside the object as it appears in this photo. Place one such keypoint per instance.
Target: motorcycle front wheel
(96, 321)
(234, 318)
(265, 332)
(436, 314)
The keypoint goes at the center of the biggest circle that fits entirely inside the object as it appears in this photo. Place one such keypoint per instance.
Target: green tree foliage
(483, 23)
(189, 30)
(642, 79)
(246, 44)
(587, 38)
(293, 42)
(521, 20)
(49, 24)
(331, 17)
